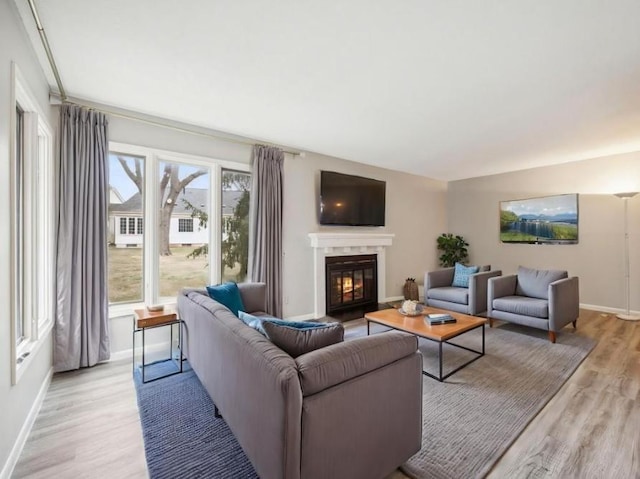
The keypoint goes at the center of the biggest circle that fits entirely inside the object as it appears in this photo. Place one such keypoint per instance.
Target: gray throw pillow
(534, 283)
(296, 342)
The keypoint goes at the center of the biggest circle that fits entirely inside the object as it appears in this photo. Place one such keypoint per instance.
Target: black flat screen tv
(348, 200)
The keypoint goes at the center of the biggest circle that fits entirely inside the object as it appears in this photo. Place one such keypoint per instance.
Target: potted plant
(454, 249)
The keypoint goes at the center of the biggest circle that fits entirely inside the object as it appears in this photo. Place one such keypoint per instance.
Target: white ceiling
(446, 89)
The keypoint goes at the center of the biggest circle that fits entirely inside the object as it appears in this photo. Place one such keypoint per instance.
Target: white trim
(175, 157)
(605, 309)
(350, 240)
(338, 244)
(301, 317)
(390, 299)
(32, 301)
(21, 440)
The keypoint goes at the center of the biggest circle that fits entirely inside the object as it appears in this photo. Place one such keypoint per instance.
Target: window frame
(32, 227)
(152, 159)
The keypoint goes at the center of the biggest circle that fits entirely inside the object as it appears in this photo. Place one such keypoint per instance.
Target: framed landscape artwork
(544, 220)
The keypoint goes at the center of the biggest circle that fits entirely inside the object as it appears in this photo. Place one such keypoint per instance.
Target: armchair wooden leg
(575, 324)
(552, 336)
(490, 322)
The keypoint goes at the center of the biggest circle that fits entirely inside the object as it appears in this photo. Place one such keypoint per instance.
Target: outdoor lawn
(176, 272)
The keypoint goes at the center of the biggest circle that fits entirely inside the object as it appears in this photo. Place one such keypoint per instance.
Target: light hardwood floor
(89, 426)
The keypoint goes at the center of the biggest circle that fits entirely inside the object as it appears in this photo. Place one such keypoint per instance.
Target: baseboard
(21, 440)
(391, 298)
(302, 317)
(605, 309)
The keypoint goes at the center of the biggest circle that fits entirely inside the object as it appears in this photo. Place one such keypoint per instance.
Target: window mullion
(151, 201)
(215, 221)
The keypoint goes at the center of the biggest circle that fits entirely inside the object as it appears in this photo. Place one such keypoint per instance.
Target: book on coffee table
(440, 319)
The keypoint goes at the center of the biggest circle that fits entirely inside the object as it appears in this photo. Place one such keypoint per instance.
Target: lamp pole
(628, 316)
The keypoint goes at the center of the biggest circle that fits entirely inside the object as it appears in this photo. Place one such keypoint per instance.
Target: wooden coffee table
(440, 333)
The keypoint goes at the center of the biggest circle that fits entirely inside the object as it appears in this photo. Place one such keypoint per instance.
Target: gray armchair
(544, 299)
(439, 292)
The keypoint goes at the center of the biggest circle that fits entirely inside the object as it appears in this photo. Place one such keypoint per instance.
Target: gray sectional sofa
(350, 410)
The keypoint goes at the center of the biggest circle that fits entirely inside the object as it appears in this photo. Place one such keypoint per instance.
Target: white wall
(15, 401)
(597, 259)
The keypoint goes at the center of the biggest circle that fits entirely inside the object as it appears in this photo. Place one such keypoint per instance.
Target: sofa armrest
(254, 296)
(564, 303)
(320, 369)
(478, 286)
(438, 279)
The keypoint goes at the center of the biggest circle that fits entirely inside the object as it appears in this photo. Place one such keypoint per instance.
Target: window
(170, 197)
(235, 224)
(183, 242)
(126, 246)
(31, 227)
(19, 223)
(185, 225)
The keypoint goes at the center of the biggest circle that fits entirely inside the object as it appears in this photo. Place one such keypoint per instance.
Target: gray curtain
(265, 239)
(81, 334)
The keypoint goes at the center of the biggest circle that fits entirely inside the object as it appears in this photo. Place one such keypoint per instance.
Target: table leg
(440, 359)
(142, 365)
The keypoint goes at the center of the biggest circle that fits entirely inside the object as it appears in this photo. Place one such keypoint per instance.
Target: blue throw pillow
(461, 275)
(256, 322)
(228, 295)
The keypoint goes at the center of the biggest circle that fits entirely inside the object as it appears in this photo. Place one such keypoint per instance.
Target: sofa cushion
(296, 341)
(461, 275)
(538, 308)
(450, 294)
(227, 294)
(535, 282)
(255, 321)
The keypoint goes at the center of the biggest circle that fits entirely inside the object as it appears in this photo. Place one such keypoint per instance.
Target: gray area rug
(471, 419)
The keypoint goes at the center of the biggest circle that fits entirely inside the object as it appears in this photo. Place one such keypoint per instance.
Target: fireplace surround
(327, 245)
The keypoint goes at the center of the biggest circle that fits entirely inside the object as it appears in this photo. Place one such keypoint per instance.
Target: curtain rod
(47, 49)
(239, 141)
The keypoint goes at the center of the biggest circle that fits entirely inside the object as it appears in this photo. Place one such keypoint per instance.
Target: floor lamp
(625, 197)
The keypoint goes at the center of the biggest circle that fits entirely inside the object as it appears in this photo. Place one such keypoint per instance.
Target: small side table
(144, 320)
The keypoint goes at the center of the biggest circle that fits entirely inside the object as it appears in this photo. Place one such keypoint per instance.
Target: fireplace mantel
(338, 244)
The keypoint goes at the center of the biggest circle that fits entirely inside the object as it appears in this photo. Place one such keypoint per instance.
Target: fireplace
(329, 244)
(351, 283)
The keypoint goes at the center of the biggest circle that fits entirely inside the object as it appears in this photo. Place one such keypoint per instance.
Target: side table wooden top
(146, 318)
